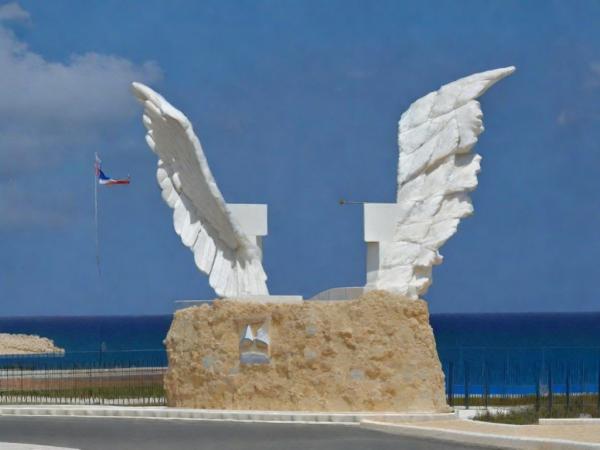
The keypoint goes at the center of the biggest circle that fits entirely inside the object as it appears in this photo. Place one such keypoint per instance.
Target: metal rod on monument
(96, 168)
(343, 202)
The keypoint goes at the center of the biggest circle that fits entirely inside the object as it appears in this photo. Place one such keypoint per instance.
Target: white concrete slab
(340, 293)
(283, 299)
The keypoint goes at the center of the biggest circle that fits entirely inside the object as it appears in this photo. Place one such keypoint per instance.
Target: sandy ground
(579, 433)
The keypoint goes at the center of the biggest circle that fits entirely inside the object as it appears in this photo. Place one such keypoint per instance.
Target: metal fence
(109, 378)
(549, 378)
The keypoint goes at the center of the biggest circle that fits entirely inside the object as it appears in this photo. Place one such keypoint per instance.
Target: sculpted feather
(436, 172)
(200, 215)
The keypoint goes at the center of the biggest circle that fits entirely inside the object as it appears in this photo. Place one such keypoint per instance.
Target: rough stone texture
(24, 344)
(376, 353)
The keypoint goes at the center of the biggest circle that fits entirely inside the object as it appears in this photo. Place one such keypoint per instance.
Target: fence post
(568, 387)
(486, 384)
(466, 370)
(582, 389)
(451, 384)
(550, 390)
(598, 388)
(537, 390)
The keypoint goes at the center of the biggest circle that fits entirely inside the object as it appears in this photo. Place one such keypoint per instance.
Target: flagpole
(96, 165)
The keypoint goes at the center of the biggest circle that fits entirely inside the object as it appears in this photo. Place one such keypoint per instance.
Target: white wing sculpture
(435, 175)
(200, 214)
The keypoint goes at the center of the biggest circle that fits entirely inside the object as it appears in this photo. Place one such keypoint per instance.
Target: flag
(106, 180)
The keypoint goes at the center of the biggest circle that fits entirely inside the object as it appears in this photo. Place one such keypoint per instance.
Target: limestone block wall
(376, 353)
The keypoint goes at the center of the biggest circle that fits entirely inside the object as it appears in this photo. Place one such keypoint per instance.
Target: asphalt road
(148, 434)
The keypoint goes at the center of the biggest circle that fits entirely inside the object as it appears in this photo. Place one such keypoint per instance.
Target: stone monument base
(375, 353)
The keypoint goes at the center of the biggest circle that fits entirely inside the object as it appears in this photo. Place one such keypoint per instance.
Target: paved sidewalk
(578, 433)
(527, 437)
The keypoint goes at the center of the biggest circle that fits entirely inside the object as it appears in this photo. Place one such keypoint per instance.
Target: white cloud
(50, 110)
(90, 89)
(13, 11)
(47, 106)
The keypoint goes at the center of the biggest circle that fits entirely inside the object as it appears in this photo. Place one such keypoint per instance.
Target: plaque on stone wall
(255, 343)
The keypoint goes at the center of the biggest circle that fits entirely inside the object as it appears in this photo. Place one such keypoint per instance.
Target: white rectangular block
(380, 221)
(373, 262)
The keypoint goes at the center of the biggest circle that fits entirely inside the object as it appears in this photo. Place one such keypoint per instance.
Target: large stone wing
(200, 215)
(435, 175)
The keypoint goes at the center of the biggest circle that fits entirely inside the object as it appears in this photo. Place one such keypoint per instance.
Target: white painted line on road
(16, 446)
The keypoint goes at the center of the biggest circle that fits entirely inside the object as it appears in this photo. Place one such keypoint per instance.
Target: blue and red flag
(106, 180)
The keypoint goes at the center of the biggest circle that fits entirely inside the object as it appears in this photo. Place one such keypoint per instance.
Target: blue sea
(507, 351)
(102, 340)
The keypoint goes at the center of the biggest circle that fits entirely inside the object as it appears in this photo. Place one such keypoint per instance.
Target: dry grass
(524, 414)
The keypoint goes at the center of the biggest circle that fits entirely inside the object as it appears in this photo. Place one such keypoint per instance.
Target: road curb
(481, 439)
(307, 417)
(576, 421)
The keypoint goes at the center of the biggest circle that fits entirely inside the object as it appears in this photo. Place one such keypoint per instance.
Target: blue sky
(296, 104)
